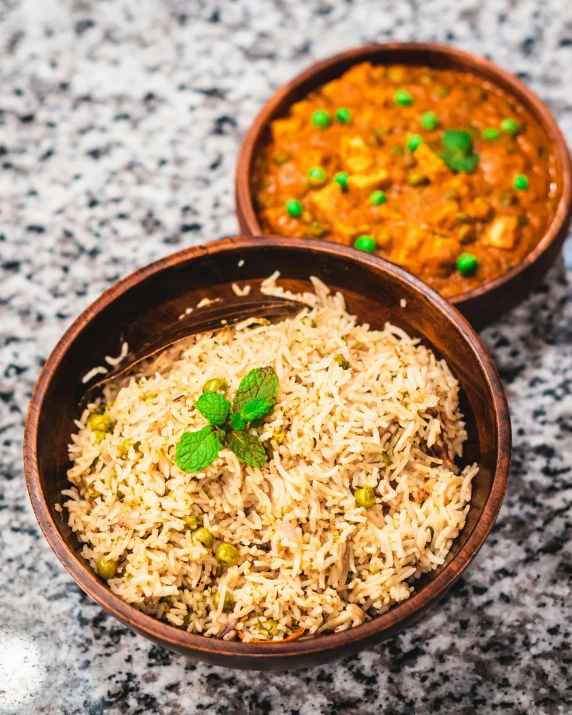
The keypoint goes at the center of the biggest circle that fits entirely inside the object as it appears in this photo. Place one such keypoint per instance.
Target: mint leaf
(255, 409)
(456, 162)
(457, 141)
(214, 407)
(196, 450)
(259, 382)
(236, 422)
(248, 448)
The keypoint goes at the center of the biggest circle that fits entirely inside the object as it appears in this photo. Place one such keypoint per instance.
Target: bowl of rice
(274, 494)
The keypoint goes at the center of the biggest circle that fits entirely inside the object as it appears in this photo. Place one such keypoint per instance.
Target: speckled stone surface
(119, 127)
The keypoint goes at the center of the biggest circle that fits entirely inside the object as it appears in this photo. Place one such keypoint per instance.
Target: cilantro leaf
(259, 382)
(457, 141)
(236, 422)
(247, 447)
(456, 162)
(214, 407)
(255, 409)
(196, 450)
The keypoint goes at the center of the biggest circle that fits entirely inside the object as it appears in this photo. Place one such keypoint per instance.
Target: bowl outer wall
(299, 653)
(488, 301)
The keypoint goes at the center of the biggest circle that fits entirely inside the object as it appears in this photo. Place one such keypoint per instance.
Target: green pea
(414, 141)
(279, 435)
(491, 134)
(342, 362)
(193, 521)
(227, 555)
(204, 536)
(414, 178)
(507, 198)
(99, 423)
(126, 446)
(450, 195)
(376, 198)
(106, 568)
(321, 119)
(467, 264)
(403, 98)
(228, 603)
(429, 121)
(318, 229)
(269, 628)
(344, 115)
(341, 178)
(365, 243)
(316, 177)
(520, 182)
(365, 496)
(294, 208)
(282, 158)
(509, 126)
(386, 459)
(216, 384)
(92, 492)
(99, 435)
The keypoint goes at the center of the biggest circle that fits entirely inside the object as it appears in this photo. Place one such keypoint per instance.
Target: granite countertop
(120, 126)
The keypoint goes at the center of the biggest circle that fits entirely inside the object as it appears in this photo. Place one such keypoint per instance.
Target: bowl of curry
(428, 156)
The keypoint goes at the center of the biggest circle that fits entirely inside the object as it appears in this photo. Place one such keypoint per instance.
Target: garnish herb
(457, 152)
(254, 400)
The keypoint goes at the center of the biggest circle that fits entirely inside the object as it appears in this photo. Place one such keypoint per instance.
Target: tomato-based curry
(436, 170)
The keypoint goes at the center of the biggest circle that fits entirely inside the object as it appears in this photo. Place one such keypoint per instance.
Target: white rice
(310, 557)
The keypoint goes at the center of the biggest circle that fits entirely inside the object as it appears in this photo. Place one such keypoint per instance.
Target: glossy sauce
(431, 214)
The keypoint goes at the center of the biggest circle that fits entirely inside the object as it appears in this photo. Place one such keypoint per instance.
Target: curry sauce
(436, 170)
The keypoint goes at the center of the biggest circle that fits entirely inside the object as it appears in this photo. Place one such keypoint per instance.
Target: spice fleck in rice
(356, 408)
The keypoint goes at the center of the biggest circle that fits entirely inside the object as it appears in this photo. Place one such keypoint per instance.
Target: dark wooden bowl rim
(465, 60)
(178, 639)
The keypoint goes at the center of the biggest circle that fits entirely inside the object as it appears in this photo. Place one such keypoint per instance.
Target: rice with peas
(311, 557)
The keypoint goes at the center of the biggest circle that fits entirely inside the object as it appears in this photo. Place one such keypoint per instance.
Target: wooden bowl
(138, 306)
(488, 301)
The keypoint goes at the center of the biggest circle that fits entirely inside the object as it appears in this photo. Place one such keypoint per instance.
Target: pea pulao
(323, 486)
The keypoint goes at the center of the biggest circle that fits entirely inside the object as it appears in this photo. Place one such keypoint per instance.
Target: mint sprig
(457, 151)
(196, 450)
(254, 400)
(261, 382)
(214, 407)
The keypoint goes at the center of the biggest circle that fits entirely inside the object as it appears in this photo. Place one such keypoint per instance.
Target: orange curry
(436, 170)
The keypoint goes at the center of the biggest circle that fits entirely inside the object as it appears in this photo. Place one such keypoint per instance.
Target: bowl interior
(137, 308)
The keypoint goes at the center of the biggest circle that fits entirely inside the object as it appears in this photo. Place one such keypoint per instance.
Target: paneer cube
(422, 250)
(446, 216)
(378, 179)
(480, 209)
(502, 233)
(356, 155)
(327, 205)
(285, 128)
(429, 164)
